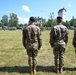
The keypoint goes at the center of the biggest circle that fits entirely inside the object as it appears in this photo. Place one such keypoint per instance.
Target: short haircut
(32, 19)
(59, 19)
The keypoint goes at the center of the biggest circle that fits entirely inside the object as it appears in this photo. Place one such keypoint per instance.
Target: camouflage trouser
(32, 54)
(75, 51)
(59, 56)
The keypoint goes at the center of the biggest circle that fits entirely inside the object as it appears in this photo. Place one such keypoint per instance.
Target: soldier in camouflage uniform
(58, 40)
(74, 43)
(40, 26)
(32, 42)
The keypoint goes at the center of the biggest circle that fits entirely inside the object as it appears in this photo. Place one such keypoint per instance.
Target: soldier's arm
(66, 36)
(24, 38)
(74, 39)
(39, 39)
(52, 37)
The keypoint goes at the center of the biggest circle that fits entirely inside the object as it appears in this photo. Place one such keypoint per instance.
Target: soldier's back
(60, 32)
(32, 36)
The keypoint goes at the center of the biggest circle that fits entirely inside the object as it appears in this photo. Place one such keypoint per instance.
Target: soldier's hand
(74, 45)
(65, 43)
(38, 48)
(52, 45)
(25, 47)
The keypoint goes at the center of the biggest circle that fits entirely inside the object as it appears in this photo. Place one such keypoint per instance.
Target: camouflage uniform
(74, 41)
(58, 40)
(32, 42)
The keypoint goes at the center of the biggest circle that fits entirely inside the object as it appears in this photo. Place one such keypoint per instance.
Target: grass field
(13, 56)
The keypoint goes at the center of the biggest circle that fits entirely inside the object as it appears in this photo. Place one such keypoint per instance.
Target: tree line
(13, 21)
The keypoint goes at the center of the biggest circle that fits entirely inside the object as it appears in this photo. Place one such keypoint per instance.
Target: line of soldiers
(32, 42)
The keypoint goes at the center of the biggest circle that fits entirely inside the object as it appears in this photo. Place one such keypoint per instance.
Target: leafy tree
(43, 20)
(13, 21)
(54, 22)
(25, 24)
(67, 23)
(40, 20)
(50, 23)
(5, 20)
(45, 25)
(20, 25)
(73, 21)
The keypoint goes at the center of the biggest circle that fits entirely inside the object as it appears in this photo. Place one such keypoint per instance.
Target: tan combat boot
(57, 71)
(61, 70)
(34, 70)
(31, 70)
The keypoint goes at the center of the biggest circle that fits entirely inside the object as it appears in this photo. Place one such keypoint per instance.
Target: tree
(25, 24)
(67, 23)
(51, 15)
(20, 25)
(40, 20)
(54, 22)
(45, 25)
(1, 25)
(43, 20)
(5, 20)
(13, 21)
(73, 22)
(50, 23)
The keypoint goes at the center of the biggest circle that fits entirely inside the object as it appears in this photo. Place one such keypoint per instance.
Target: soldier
(58, 40)
(32, 42)
(40, 26)
(74, 43)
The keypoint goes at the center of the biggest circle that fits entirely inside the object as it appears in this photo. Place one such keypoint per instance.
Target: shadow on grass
(69, 69)
(45, 68)
(19, 69)
(25, 69)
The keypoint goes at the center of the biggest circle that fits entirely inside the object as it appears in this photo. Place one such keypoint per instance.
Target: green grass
(14, 59)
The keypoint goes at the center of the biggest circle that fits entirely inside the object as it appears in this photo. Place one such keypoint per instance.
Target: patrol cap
(32, 19)
(59, 18)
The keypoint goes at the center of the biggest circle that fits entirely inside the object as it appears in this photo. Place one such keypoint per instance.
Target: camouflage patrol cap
(32, 19)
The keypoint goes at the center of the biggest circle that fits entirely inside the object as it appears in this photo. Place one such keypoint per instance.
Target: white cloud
(25, 8)
(23, 20)
(69, 5)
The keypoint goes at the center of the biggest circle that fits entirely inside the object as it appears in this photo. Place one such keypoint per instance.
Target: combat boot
(34, 70)
(31, 70)
(61, 70)
(57, 71)
(75, 67)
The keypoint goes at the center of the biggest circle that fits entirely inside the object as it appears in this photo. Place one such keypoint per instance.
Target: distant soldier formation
(32, 42)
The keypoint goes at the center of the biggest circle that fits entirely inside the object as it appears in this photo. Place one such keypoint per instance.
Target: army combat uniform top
(74, 41)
